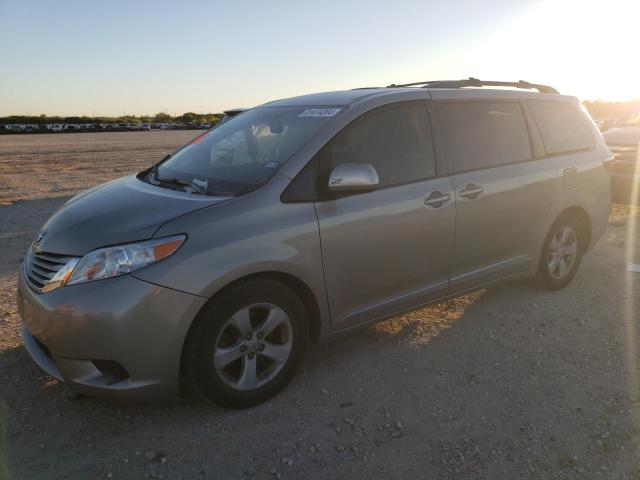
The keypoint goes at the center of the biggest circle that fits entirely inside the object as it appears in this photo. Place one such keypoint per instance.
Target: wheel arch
(294, 283)
(584, 220)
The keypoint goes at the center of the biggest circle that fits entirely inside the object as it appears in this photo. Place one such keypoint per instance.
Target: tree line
(161, 117)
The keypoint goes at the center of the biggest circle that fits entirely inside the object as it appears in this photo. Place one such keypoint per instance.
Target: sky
(68, 57)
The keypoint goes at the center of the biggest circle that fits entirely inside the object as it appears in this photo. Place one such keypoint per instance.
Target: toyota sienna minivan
(304, 218)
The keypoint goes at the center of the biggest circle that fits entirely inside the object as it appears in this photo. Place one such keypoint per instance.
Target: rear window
(483, 134)
(562, 126)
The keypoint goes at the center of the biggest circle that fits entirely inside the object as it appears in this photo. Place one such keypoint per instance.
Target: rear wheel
(247, 344)
(561, 253)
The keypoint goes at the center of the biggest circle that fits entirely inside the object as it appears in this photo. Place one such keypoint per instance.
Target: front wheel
(561, 254)
(247, 344)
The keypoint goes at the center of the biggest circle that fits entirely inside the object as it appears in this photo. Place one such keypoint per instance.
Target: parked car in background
(15, 128)
(229, 114)
(304, 218)
(625, 166)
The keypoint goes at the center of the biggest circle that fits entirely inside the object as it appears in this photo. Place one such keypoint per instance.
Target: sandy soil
(509, 382)
(44, 166)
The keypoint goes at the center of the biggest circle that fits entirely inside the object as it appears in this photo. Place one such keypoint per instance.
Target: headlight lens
(119, 260)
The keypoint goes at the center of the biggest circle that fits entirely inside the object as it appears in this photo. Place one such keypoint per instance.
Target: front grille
(42, 267)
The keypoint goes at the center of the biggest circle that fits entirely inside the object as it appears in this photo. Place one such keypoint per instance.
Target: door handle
(471, 191)
(437, 199)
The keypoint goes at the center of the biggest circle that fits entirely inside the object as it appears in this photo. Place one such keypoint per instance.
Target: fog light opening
(112, 371)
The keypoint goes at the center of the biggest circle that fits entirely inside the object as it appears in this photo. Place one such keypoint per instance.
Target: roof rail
(474, 82)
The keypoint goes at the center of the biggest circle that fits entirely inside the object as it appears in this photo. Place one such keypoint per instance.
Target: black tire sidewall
(543, 275)
(201, 343)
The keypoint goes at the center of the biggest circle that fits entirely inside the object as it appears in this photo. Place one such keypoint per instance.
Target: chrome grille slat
(42, 272)
(39, 277)
(41, 267)
(34, 282)
(51, 257)
(45, 266)
(54, 265)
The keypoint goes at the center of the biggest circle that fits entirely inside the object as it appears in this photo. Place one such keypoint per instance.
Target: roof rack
(474, 82)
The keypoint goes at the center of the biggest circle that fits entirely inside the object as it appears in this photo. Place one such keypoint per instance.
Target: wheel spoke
(226, 355)
(564, 268)
(242, 321)
(249, 376)
(278, 353)
(274, 319)
(240, 344)
(571, 249)
(565, 236)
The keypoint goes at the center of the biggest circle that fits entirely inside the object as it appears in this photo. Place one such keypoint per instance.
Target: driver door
(388, 249)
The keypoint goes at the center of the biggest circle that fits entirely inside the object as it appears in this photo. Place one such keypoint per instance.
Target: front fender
(252, 234)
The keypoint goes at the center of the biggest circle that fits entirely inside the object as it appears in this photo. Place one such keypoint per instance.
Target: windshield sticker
(271, 164)
(319, 112)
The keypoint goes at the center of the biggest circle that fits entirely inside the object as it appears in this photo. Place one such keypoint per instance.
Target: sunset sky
(140, 57)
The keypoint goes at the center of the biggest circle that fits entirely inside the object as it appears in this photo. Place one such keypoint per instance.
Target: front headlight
(119, 260)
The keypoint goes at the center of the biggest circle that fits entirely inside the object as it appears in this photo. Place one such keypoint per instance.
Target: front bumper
(73, 331)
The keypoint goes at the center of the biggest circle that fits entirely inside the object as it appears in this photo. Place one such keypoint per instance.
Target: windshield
(245, 152)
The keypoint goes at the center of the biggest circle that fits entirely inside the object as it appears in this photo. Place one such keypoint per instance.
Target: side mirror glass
(353, 177)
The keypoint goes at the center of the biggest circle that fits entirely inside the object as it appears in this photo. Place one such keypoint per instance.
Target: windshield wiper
(201, 189)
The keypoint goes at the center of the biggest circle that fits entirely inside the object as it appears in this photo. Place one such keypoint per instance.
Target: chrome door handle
(437, 199)
(471, 191)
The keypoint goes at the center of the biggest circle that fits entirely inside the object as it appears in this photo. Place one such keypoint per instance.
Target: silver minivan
(305, 218)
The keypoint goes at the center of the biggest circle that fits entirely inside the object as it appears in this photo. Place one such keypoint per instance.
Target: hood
(629, 135)
(122, 211)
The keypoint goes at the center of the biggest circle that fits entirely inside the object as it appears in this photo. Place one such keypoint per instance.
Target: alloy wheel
(253, 346)
(563, 252)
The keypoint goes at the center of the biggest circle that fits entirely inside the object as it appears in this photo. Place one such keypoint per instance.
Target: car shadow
(396, 341)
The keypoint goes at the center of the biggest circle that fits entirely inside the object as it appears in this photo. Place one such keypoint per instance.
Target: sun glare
(586, 48)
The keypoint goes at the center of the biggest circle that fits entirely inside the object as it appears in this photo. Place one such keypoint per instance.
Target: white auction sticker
(633, 267)
(319, 112)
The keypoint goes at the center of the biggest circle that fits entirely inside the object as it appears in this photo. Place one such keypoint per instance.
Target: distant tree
(162, 117)
(188, 117)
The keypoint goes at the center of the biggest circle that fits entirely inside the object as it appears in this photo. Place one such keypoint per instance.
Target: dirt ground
(509, 382)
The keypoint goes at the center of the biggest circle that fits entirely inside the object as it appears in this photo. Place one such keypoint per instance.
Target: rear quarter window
(480, 135)
(562, 126)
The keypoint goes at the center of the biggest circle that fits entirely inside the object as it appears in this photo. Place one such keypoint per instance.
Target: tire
(231, 356)
(559, 262)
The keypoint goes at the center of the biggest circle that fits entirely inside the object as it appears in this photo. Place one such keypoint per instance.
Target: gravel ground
(509, 382)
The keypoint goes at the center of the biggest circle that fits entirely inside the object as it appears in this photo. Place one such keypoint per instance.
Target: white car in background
(623, 142)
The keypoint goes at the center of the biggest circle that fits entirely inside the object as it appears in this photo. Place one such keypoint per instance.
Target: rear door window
(562, 126)
(480, 135)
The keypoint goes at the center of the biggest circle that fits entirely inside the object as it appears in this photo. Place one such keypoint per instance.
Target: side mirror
(353, 177)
